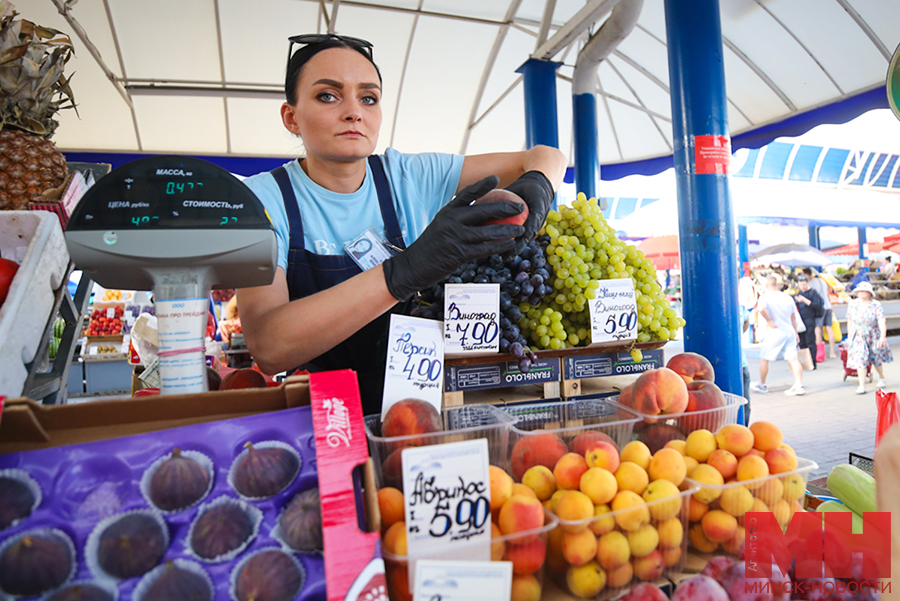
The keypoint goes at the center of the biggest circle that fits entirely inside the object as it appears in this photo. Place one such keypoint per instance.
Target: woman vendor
(323, 311)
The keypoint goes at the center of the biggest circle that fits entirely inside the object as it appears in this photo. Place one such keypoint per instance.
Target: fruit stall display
(105, 322)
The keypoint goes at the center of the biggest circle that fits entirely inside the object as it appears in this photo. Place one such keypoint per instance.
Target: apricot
(690, 463)
(603, 454)
(502, 195)
(724, 461)
(703, 398)
(586, 441)
(574, 506)
(555, 560)
(696, 509)
(671, 533)
(770, 491)
(613, 550)
(700, 444)
(636, 452)
(659, 509)
(707, 474)
(668, 464)
(568, 470)
(579, 547)
(541, 480)
(700, 541)
(631, 476)
(649, 567)
(757, 507)
(794, 487)
(782, 512)
(718, 526)
(678, 445)
(766, 436)
(603, 522)
(498, 547)
(660, 391)
(390, 505)
(527, 558)
(736, 500)
(398, 581)
(692, 366)
(521, 513)
(501, 486)
(620, 576)
(781, 461)
(643, 540)
(394, 541)
(525, 587)
(735, 544)
(586, 581)
(785, 445)
(735, 438)
(537, 449)
(411, 416)
(554, 499)
(599, 484)
(630, 510)
(754, 453)
(671, 556)
(752, 468)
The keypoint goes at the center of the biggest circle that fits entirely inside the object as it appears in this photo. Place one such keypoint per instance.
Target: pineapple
(32, 89)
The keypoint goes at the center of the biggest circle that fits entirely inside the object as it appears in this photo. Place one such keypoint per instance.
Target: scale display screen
(169, 192)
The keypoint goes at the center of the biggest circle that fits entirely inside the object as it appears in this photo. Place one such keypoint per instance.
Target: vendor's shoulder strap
(290, 203)
(386, 202)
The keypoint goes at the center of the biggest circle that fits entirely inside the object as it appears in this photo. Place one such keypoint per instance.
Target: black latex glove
(537, 192)
(453, 237)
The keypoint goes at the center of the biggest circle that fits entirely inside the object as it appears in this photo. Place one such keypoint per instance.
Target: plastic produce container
(466, 422)
(400, 582)
(780, 493)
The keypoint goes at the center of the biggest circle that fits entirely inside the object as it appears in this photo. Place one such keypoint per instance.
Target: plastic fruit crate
(782, 493)
(656, 529)
(467, 422)
(400, 581)
(543, 424)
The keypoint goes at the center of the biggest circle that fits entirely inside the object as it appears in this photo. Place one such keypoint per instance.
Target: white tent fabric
(205, 76)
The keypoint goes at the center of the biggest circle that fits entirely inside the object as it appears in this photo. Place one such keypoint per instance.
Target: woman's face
(338, 110)
(864, 295)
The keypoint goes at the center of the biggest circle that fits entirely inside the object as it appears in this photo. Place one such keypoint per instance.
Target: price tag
(110, 312)
(614, 311)
(448, 500)
(415, 362)
(471, 318)
(470, 580)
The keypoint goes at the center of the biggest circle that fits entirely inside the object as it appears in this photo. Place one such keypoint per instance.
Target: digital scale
(179, 226)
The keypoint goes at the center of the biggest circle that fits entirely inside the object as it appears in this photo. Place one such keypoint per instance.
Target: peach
(770, 491)
(702, 397)
(660, 391)
(671, 556)
(411, 416)
(501, 486)
(717, 565)
(527, 558)
(498, 547)
(735, 438)
(751, 468)
(643, 540)
(636, 452)
(579, 547)
(394, 541)
(604, 455)
(586, 441)
(659, 509)
(554, 499)
(586, 581)
(671, 533)
(613, 550)
(735, 544)
(620, 576)
(719, 526)
(736, 501)
(692, 366)
(644, 591)
(696, 509)
(525, 587)
(668, 464)
(678, 445)
(700, 588)
(538, 449)
(724, 461)
(700, 444)
(707, 474)
(392, 470)
(599, 484)
(649, 567)
(568, 470)
(242, 378)
(766, 436)
(625, 396)
(631, 476)
(502, 195)
(794, 487)
(541, 480)
(521, 513)
(603, 522)
(390, 505)
(574, 506)
(700, 541)
(631, 511)
(657, 435)
(782, 512)
(521, 489)
(690, 463)
(781, 461)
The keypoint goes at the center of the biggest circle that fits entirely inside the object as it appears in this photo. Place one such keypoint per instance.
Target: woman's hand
(882, 342)
(537, 192)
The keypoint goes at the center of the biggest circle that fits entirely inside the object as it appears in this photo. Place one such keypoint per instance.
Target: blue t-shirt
(420, 184)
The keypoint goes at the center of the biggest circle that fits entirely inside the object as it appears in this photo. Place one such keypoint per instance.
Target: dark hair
(304, 54)
(807, 271)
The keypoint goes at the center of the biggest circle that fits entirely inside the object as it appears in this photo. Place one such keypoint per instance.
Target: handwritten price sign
(614, 311)
(415, 362)
(472, 318)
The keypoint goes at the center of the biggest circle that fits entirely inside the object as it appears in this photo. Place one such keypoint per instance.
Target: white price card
(415, 362)
(470, 580)
(447, 500)
(614, 311)
(471, 318)
(182, 347)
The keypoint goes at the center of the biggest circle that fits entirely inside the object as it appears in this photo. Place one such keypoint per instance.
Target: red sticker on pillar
(712, 155)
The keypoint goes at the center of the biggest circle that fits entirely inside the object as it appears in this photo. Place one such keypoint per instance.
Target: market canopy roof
(204, 77)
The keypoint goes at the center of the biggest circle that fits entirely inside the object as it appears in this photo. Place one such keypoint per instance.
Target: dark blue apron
(308, 273)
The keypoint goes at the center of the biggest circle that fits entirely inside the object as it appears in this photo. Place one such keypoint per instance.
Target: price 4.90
(625, 322)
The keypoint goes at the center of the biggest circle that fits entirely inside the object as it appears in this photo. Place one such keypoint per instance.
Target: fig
(264, 472)
(221, 529)
(131, 546)
(178, 482)
(269, 576)
(301, 522)
(178, 584)
(16, 501)
(36, 563)
(83, 591)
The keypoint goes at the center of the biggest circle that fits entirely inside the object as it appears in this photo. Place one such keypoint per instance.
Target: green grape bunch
(583, 250)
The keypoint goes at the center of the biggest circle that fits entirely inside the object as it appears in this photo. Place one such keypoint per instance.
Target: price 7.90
(482, 333)
(470, 514)
(625, 322)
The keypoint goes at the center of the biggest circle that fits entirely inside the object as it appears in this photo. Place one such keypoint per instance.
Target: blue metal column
(587, 159)
(862, 242)
(705, 215)
(743, 248)
(814, 237)
(539, 79)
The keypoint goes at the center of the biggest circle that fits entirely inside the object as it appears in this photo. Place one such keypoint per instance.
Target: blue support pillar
(743, 249)
(587, 158)
(862, 242)
(705, 215)
(814, 237)
(539, 79)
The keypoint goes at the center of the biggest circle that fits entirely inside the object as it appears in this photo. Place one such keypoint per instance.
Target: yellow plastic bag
(834, 330)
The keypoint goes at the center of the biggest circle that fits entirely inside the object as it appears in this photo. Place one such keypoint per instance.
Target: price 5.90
(470, 514)
(625, 322)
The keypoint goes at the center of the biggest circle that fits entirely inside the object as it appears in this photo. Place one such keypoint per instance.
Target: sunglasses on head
(318, 38)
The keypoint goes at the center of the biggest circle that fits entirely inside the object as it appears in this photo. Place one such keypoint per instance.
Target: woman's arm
(282, 334)
(509, 166)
